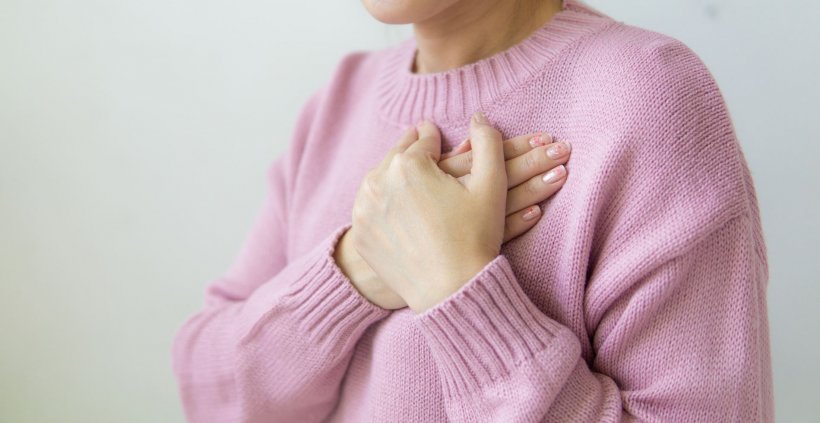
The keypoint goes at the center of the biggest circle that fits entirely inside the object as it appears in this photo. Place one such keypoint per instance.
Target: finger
(462, 147)
(459, 161)
(429, 141)
(522, 144)
(405, 140)
(488, 170)
(536, 161)
(458, 165)
(536, 189)
(521, 221)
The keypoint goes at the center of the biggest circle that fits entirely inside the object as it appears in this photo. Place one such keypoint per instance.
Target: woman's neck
(471, 30)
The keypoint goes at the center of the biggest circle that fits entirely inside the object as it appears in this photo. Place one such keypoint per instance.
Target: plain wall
(135, 135)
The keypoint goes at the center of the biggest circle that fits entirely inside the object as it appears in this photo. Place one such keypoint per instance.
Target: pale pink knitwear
(639, 295)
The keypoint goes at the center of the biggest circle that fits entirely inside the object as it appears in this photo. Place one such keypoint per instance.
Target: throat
(473, 30)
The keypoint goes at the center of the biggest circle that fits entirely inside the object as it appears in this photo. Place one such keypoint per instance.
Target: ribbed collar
(451, 96)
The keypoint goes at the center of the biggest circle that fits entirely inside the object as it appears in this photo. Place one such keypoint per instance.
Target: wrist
(348, 259)
(438, 289)
(363, 278)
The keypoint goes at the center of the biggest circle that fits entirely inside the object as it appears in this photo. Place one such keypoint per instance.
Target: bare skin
(453, 33)
(465, 203)
(528, 159)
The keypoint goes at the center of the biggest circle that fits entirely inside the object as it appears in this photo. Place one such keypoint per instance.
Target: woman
(386, 281)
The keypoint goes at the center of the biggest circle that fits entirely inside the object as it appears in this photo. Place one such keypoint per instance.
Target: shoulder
(348, 87)
(658, 90)
(666, 97)
(666, 135)
(346, 84)
(636, 48)
(645, 67)
(663, 100)
(353, 75)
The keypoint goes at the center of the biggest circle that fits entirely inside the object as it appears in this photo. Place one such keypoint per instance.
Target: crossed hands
(425, 223)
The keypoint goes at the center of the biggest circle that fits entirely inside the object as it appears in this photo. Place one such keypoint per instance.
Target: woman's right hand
(529, 159)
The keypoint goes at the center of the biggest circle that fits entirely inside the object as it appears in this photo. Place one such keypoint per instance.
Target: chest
(335, 160)
(548, 260)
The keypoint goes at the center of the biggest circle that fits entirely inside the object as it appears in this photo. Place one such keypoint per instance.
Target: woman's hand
(531, 160)
(362, 277)
(528, 157)
(423, 232)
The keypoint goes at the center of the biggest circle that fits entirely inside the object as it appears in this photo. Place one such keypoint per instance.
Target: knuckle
(532, 187)
(403, 159)
(516, 148)
(487, 132)
(405, 162)
(468, 159)
(534, 160)
(398, 158)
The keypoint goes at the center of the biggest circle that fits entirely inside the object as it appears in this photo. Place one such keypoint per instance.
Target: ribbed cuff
(487, 330)
(325, 302)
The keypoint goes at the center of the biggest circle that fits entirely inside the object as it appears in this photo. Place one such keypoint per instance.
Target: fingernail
(532, 213)
(555, 174)
(569, 146)
(536, 141)
(557, 150)
(479, 117)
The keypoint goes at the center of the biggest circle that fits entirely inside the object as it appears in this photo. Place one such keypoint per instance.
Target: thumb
(407, 138)
(429, 140)
(489, 168)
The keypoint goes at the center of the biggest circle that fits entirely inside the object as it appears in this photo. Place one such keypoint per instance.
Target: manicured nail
(537, 141)
(555, 174)
(569, 146)
(479, 117)
(557, 150)
(532, 213)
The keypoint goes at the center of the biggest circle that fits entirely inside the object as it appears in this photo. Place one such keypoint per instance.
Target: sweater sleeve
(276, 333)
(674, 303)
(688, 343)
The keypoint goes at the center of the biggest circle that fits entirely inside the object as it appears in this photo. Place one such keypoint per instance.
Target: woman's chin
(398, 12)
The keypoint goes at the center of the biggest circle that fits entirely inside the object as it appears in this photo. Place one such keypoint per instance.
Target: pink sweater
(639, 295)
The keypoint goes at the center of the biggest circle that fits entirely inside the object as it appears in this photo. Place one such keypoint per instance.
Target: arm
(276, 334)
(675, 301)
(689, 342)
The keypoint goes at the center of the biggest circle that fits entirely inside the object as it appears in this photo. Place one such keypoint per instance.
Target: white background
(135, 135)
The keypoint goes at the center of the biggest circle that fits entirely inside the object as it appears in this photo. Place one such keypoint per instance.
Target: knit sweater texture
(640, 294)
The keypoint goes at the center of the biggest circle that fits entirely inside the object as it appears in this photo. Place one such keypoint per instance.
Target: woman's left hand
(420, 229)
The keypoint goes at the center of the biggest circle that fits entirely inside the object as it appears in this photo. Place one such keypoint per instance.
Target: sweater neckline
(450, 96)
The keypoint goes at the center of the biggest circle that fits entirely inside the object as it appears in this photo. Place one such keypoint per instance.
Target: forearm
(281, 352)
(686, 343)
